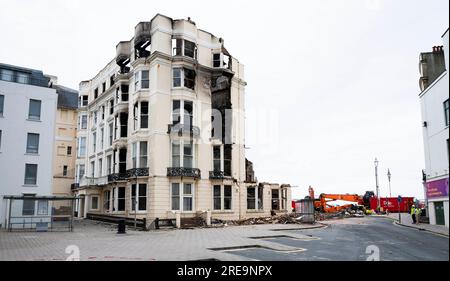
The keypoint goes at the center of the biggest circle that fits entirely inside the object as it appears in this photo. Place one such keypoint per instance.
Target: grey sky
(342, 76)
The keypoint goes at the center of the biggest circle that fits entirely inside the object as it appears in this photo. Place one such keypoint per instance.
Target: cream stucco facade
(161, 129)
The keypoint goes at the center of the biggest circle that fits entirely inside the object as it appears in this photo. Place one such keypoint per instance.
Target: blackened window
(144, 115)
(176, 116)
(216, 60)
(189, 78)
(111, 80)
(189, 49)
(95, 93)
(216, 158)
(121, 199)
(227, 151)
(103, 87)
(251, 197)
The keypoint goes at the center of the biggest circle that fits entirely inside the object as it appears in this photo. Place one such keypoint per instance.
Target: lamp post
(377, 188)
(389, 180)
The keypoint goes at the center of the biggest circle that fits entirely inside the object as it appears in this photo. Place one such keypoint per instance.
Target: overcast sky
(338, 79)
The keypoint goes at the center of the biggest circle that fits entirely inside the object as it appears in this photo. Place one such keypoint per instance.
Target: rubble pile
(282, 219)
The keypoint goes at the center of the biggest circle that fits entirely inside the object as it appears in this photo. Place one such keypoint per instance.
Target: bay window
(139, 154)
(182, 154)
(182, 197)
(255, 198)
(187, 116)
(139, 197)
(222, 197)
(141, 80)
(183, 77)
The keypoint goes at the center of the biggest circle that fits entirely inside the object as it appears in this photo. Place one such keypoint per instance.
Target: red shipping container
(391, 204)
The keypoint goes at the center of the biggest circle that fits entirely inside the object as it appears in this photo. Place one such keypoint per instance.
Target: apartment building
(161, 131)
(27, 122)
(434, 101)
(64, 154)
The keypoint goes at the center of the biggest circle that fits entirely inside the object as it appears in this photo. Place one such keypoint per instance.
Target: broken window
(144, 115)
(188, 113)
(216, 60)
(227, 156)
(275, 199)
(189, 49)
(183, 77)
(217, 159)
(176, 116)
(111, 80)
(189, 78)
(251, 198)
(182, 47)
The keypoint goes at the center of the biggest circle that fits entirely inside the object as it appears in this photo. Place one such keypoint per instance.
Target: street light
(389, 179)
(376, 182)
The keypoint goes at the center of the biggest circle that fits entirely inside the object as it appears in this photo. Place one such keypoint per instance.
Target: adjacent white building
(434, 100)
(27, 128)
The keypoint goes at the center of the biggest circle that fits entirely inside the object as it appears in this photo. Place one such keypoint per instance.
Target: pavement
(99, 241)
(339, 239)
(406, 220)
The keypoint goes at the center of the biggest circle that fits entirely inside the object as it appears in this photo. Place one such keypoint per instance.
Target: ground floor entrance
(439, 213)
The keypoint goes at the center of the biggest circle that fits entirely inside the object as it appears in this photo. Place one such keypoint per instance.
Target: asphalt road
(358, 242)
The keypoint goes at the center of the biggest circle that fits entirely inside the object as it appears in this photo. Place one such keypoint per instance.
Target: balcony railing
(117, 177)
(218, 175)
(89, 181)
(183, 172)
(182, 129)
(137, 172)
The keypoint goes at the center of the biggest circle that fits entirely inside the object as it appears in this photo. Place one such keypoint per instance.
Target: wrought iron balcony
(90, 181)
(183, 172)
(117, 177)
(137, 172)
(218, 175)
(182, 129)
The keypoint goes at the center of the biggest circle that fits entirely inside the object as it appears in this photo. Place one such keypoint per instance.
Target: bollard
(208, 218)
(121, 227)
(178, 219)
(157, 223)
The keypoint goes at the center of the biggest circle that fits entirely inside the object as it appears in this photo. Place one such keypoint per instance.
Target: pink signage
(438, 188)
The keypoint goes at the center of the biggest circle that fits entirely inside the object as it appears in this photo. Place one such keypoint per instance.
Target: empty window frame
(183, 77)
(32, 143)
(30, 174)
(275, 199)
(34, 110)
(139, 197)
(187, 116)
(217, 158)
(144, 115)
(255, 198)
(182, 197)
(222, 197)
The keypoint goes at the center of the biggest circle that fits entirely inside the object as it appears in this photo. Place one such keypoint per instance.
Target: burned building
(161, 129)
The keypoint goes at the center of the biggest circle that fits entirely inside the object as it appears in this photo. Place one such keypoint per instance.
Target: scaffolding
(39, 213)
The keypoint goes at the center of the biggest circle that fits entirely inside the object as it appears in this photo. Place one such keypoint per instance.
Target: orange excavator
(322, 204)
